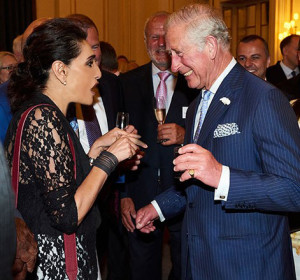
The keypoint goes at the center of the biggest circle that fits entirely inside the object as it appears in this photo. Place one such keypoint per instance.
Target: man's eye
(241, 58)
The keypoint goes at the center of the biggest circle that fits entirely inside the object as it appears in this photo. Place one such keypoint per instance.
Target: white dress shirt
(221, 193)
(288, 71)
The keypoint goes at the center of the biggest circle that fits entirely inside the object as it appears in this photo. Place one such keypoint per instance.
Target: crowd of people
(89, 196)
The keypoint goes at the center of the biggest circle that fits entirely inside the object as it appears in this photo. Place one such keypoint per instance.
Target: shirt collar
(223, 75)
(155, 70)
(287, 70)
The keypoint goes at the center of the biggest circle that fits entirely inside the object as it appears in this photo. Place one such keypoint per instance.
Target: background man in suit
(253, 54)
(242, 169)
(156, 170)
(103, 112)
(288, 67)
(291, 87)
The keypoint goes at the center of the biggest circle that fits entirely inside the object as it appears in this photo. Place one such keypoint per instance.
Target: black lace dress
(47, 187)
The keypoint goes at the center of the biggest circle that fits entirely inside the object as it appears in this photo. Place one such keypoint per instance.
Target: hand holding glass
(122, 120)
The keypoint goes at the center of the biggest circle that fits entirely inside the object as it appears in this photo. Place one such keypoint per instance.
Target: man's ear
(212, 46)
(60, 71)
(268, 61)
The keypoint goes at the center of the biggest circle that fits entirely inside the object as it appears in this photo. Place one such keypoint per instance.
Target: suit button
(191, 205)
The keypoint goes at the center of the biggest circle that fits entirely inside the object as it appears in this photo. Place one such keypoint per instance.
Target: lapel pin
(225, 100)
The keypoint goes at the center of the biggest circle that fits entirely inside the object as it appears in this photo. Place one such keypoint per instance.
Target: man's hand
(128, 212)
(133, 163)
(206, 168)
(26, 251)
(173, 132)
(145, 218)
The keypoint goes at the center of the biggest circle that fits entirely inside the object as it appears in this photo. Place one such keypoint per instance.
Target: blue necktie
(203, 110)
(293, 73)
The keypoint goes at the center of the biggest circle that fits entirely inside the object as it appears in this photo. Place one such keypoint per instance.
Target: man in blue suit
(241, 172)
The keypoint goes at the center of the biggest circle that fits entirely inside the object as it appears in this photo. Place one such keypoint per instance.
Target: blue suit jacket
(5, 114)
(246, 237)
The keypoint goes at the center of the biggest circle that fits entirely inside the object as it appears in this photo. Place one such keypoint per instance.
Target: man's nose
(161, 41)
(175, 63)
(248, 62)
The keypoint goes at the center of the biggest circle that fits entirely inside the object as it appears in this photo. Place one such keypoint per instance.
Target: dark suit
(291, 87)
(110, 236)
(246, 237)
(144, 184)
(7, 222)
(275, 74)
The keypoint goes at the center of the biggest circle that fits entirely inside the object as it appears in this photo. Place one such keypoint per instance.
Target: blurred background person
(291, 87)
(8, 62)
(17, 48)
(132, 65)
(288, 67)
(253, 54)
(122, 63)
(109, 60)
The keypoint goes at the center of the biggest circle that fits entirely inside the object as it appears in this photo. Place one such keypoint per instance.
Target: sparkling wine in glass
(160, 115)
(122, 120)
(159, 107)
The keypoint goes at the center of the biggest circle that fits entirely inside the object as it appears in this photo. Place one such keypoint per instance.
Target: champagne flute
(159, 109)
(122, 120)
(159, 106)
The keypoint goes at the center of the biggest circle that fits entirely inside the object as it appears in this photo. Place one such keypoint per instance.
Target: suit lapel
(228, 88)
(148, 93)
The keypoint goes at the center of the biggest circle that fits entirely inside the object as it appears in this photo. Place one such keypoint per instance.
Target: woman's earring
(64, 83)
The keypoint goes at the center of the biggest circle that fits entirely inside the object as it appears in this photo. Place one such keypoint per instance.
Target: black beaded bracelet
(106, 161)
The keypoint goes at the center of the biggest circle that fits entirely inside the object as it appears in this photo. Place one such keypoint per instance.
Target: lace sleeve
(49, 152)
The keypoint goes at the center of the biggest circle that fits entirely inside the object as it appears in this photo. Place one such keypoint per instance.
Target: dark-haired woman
(60, 68)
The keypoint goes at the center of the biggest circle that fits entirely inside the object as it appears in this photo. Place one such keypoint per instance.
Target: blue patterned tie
(203, 110)
(293, 73)
(92, 126)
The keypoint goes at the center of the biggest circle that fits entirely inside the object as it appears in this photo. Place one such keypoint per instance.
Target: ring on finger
(191, 172)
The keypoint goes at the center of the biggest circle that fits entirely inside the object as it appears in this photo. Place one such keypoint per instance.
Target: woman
(7, 64)
(59, 67)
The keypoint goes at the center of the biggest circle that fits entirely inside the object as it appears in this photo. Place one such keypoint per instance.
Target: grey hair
(148, 20)
(200, 21)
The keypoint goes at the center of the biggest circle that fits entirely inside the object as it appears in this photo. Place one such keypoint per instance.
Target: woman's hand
(109, 138)
(126, 147)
